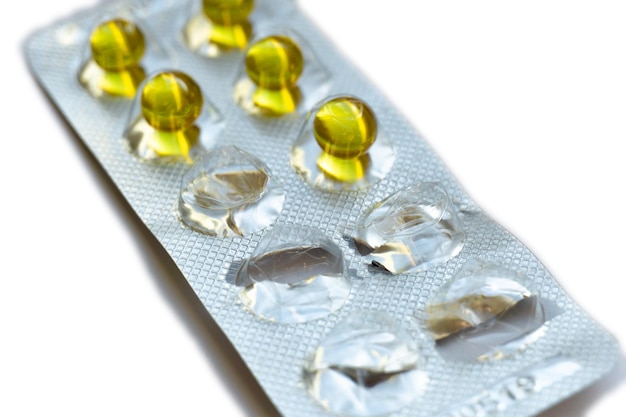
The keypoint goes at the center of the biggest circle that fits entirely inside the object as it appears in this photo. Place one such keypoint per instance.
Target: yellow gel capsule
(345, 128)
(171, 101)
(117, 45)
(274, 62)
(227, 12)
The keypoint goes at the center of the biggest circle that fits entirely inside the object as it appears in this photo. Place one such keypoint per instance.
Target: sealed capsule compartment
(219, 26)
(114, 67)
(171, 119)
(486, 312)
(213, 28)
(280, 75)
(412, 230)
(296, 274)
(368, 365)
(119, 52)
(229, 192)
(341, 146)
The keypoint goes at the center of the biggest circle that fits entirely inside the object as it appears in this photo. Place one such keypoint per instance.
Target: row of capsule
(340, 147)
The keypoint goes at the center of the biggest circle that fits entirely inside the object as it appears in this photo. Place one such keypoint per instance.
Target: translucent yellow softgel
(117, 47)
(274, 64)
(170, 103)
(345, 128)
(230, 25)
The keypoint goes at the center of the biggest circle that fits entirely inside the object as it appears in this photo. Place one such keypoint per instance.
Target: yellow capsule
(117, 45)
(171, 101)
(227, 12)
(274, 62)
(345, 128)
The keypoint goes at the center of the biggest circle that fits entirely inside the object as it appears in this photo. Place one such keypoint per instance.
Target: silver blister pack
(407, 268)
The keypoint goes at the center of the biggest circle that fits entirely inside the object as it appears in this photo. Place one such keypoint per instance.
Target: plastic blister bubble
(212, 28)
(280, 74)
(296, 274)
(171, 119)
(368, 365)
(229, 192)
(485, 312)
(341, 146)
(119, 50)
(411, 230)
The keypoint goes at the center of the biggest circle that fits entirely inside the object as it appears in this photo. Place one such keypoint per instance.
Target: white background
(524, 101)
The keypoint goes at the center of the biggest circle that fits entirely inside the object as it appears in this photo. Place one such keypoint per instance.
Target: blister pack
(349, 269)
